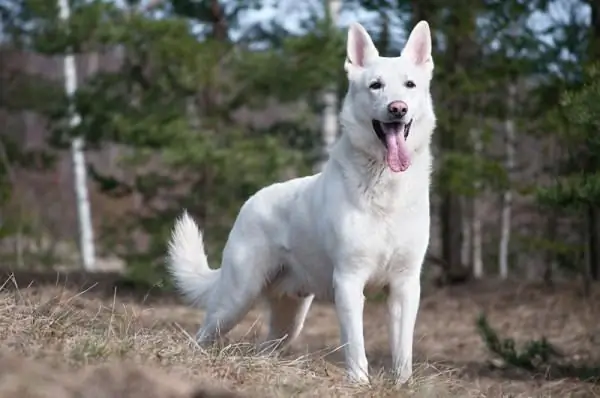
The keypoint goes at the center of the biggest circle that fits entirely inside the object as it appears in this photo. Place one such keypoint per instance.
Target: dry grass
(83, 345)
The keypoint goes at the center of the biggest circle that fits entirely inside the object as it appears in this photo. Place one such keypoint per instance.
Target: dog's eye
(410, 84)
(376, 85)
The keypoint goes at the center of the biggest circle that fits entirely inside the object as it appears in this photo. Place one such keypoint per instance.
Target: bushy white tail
(187, 262)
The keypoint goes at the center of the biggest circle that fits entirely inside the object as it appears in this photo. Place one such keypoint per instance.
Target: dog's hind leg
(242, 279)
(223, 316)
(287, 316)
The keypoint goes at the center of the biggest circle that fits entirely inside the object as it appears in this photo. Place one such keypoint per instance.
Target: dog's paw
(403, 377)
(359, 379)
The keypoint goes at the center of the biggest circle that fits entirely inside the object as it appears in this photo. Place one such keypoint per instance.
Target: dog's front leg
(349, 303)
(403, 305)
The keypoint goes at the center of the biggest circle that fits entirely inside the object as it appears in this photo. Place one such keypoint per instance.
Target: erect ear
(418, 45)
(360, 50)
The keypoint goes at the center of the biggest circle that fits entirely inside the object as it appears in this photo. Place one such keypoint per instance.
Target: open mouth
(393, 135)
(382, 128)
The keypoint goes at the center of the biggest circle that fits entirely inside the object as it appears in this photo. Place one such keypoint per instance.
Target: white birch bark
(330, 111)
(86, 233)
(506, 217)
(476, 219)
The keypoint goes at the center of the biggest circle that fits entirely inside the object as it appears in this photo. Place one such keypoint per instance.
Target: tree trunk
(590, 250)
(477, 260)
(466, 253)
(460, 53)
(505, 222)
(220, 29)
(595, 27)
(550, 257)
(84, 216)
(330, 100)
(593, 243)
(451, 208)
(12, 178)
(451, 215)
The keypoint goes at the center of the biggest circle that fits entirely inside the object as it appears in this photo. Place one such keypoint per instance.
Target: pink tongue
(398, 157)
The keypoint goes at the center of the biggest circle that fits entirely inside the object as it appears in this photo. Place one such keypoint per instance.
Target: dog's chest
(394, 261)
(399, 235)
(386, 238)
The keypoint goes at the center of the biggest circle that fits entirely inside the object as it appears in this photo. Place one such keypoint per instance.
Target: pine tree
(574, 193)
(578, 186)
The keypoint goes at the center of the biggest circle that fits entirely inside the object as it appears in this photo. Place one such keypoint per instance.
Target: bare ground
(64, 342)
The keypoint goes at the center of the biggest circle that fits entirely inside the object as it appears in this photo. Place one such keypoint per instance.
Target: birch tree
(84, 215)
(330, 121)
(477, 249)
(507, 196)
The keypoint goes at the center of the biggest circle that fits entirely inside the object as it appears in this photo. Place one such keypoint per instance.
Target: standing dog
(362, 222)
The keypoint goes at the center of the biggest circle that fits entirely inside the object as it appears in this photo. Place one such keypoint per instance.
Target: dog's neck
(370, 178)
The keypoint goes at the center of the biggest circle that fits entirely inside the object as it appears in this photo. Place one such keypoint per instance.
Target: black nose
(397, 108)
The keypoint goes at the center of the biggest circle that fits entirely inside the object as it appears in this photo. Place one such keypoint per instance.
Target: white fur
(356, 225)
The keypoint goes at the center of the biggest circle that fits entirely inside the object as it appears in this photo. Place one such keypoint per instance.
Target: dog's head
(389, 97)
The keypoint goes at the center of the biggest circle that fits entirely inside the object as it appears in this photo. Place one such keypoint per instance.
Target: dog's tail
(187, 262)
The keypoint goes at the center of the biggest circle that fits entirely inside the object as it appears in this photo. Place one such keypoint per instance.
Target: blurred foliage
(578, 185)
(186, 145)
(189, 69)
(575, 189)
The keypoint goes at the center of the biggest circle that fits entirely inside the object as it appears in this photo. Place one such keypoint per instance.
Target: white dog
(361, 223)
